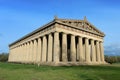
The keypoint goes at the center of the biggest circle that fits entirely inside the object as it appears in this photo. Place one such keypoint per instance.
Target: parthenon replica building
(60, 42)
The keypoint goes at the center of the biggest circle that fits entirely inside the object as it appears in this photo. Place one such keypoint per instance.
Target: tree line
(3, 57)
(112, 59)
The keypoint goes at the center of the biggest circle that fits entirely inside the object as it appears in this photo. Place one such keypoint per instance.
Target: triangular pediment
(82, 24)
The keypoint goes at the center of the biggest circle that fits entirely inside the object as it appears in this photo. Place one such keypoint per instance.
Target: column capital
(23, 44)
(30, 41)
(39, 38)
(50, 33)
(72, 34)
(97, 41)
(80, 36)
(101, 41)
(56, 32)
(86, 38)
(64, 33)
(92, 40)
(34, 39)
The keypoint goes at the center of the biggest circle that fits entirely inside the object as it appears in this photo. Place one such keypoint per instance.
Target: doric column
(77, 52)
(32, 50)
(64, 47)
(102, 51)
(39, 50)
(73, 48)
(30, 53)
(13, 54)
(35, 51)
(23, 52)
(50, 47)
(80, 49)
(56, 47)
(28, 45)
(20, 53)
(44, 49)
(98, 51)
(16, 54)
(87, 53)
(27, 58)
(93, 51)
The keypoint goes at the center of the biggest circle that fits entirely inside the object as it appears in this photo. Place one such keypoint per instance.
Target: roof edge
(33, 32)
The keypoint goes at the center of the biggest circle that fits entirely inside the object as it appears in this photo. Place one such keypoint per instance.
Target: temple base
(70, 63)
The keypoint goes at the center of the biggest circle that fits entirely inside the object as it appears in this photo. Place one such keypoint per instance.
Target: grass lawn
(9, 71)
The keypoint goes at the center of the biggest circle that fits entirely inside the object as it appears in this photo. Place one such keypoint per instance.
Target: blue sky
(20, 17)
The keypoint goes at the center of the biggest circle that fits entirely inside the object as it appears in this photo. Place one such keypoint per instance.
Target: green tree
(3, 57)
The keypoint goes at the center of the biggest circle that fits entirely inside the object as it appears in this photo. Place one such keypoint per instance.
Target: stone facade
(60, 42)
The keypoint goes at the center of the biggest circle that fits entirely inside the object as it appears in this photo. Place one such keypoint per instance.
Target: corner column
(32, 51)
(98, 51)
(64, 47)
(56, 47)
(102, 52)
